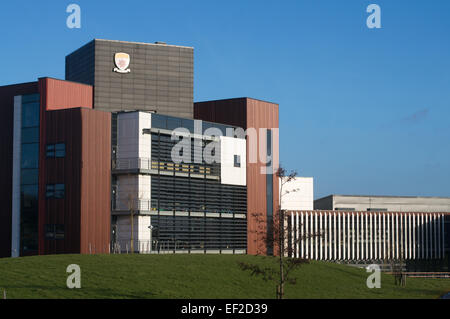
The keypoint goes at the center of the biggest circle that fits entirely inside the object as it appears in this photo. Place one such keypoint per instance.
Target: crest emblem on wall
(122, 61)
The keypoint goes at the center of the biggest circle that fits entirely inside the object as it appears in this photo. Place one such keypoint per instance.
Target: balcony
(149, 166)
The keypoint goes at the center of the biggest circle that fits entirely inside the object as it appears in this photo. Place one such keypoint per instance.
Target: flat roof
(384, 196)
(146, 43)
(237, 98)
(175, 117)
(18, 84)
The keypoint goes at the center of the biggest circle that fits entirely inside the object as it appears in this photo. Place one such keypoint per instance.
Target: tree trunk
(132, 232)
(281, 243)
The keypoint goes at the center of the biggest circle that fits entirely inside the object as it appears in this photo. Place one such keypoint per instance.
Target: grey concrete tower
(145, 76)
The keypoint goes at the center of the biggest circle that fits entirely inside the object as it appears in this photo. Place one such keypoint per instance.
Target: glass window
(222, 128)
(50, 231)
(30, 155)
(29, 194)
(30, 114)
(28, 98)
(55, 150)
(173, 123)
(29, 176)
(189, 124)
(50, 150)
(50, 191)
(237, 161)
(29, 233)
(210, 129)
(59, 191)
(60, 150)
(206, 125)
(159, 121)
(59, 231)
(30, 135)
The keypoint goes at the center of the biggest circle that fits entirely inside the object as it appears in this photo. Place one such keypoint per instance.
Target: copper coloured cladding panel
(260, 114)
(249, 113)
(95, 181)
(85, 170)
(61, 94)
(7, 94)
(58, 95)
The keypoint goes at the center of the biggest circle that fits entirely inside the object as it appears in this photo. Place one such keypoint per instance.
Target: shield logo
(122, 61)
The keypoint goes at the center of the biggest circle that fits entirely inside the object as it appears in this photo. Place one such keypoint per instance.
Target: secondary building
(383, 203)
(355, 228)
(298, 194)
(367, 236)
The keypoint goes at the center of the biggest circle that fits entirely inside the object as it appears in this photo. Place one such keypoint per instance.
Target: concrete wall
(133, 190)
(131, 143)
(229, 147)
(397, 204)
(141, 233)
(324, 203)
(133, 152)
(300, 196)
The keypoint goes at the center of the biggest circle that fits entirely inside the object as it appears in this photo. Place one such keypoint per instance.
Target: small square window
(59, 191)
(50, 150)
(60, 150)
(237, 161)
(55, 191)
(50, 191)
(55, 150)
(59, 231)
(50, 231)
(53, 231)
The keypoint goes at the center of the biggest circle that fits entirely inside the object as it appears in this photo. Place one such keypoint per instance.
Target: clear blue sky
(362, 111)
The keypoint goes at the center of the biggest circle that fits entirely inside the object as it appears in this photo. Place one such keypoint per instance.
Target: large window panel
(29, 98)
(30, 135)
(29, 176)
(30, 155)
(29, 196)
(30, 114)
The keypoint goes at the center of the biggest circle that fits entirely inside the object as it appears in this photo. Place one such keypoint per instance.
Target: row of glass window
(30, 114)
(55, 150)
(29, 173)
(30, 154)
(54, 231)
(171, 123)
(56, 191)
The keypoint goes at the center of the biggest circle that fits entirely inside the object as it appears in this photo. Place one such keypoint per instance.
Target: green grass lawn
(193, 276)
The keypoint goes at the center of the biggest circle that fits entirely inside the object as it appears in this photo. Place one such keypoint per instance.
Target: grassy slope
(192, 276)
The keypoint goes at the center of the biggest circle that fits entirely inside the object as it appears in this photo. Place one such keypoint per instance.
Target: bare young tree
(131, 205)
(133, 202)
(275, 237)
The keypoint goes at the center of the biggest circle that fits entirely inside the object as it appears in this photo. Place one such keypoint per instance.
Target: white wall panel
(303, 196)
(229, 147)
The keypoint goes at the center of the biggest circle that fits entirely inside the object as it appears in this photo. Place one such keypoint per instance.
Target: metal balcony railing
(135, 204)
(149, 164)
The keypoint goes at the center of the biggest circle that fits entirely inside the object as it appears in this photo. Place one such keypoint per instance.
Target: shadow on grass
(82, 293)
